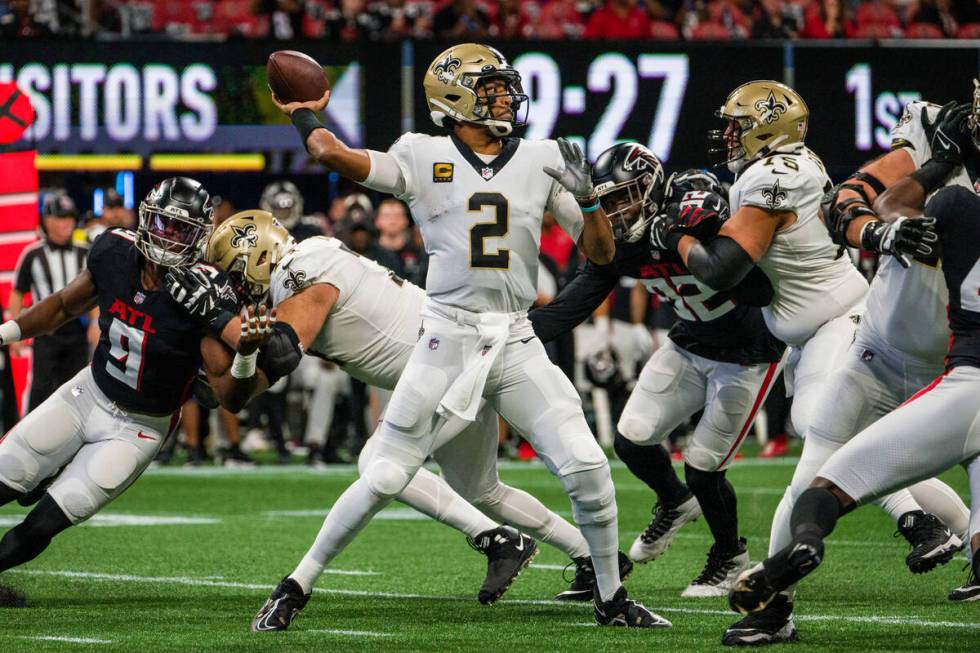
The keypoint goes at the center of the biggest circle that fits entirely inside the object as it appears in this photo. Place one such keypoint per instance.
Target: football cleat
(622, 611)
(507, 556)
(757, 587)
(968, 591)
(282, 607)
(933, 544)
(667, 520)
(719, 573)
(580, 589)
(770, 626)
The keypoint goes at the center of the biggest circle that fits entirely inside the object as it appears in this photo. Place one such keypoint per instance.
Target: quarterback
(478, 195)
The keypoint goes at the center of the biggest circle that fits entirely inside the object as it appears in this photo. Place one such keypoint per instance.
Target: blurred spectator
(774, 20)
(114, 211)
(618, 19)
(555, 243)
(395, 235)
(224, 208)
(966, 11)
(560, 19)
(403, 20)
(285, 17)
(45, 268)
(461, 19)
(348, 21)
(511, 20)
(19, 22)
(284, 201)
(934, 12)
(361, 239)
(825, 20)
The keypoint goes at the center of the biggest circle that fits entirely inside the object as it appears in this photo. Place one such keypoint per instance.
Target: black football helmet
(629, 180)
(284, 201)
(175, 222)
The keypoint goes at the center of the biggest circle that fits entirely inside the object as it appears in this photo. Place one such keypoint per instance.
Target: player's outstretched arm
(236, 380)
(596, 240)
(77, 298)
(322, 144)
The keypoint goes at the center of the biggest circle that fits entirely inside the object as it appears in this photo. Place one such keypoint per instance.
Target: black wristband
(872, 234)
(306, 122)
(932, 175)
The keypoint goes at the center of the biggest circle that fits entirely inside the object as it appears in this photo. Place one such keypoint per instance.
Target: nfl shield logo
(434, 343)
(487, 173)
(139, 298)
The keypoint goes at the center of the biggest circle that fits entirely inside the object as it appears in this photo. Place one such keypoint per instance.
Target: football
(295, 77)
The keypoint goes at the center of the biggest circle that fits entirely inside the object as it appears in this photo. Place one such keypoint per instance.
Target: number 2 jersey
(721, 326)
(480, 216)
(812, 284)
(150, 348)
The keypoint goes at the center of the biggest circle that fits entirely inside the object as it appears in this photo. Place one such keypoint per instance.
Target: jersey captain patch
(442, 173)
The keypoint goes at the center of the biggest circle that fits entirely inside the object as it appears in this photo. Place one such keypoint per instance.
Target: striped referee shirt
(44, 269)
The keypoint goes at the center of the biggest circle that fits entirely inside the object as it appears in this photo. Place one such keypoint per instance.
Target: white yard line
(114, 520)
(349, 633)
(908, 620)
(70, 640)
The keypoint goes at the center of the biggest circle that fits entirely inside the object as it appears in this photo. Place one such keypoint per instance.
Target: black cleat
(507, 556)
(622, 611)
(233, 456)
(758, 586)
(772, 625)
(580, 589)
(719, 573)
(968, 591)
(282, 607)
(933, 544)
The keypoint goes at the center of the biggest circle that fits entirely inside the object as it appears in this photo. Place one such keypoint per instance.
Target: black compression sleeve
(932, 175)
(721, 263)
(575, 303)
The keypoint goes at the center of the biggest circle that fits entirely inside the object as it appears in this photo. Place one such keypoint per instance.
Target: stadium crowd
(356, 20)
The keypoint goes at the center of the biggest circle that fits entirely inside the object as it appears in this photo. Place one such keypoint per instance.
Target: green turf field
(406, 583)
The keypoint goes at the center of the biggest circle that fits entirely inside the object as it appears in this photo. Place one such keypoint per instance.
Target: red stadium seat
(877, 13)
(969, 31)
(923, 31)
(235, 17)
(664, 31)
(174, 17)
(711, 31)
(873, 31)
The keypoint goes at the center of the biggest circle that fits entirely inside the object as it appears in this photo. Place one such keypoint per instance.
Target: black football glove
(948, 135)
(195, 290)
(700, 214)
(662, 226)
(904, 238)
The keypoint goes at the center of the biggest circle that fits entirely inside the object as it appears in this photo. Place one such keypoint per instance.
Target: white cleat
(652, 542)
(719, 574)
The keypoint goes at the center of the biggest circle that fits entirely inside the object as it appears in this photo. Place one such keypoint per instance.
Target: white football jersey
(812, 284)
(374, 325)
(481, 221)
(909, 134)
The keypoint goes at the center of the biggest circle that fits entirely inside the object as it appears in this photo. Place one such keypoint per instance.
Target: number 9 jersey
(481, 215)
(149, 351)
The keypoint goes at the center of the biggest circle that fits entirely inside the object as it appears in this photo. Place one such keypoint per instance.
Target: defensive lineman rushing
(478, 196)
(720, 357)
(818, 293)
(102, 426)
(350, 310)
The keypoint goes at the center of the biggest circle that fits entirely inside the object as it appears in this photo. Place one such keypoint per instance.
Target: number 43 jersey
(480, 217)
(150, 348)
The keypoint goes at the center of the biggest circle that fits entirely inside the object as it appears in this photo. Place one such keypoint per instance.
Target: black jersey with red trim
(150, 348)
(957, 213)
(724, 326)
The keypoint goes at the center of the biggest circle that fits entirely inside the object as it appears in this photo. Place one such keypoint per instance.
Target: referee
(44, 268)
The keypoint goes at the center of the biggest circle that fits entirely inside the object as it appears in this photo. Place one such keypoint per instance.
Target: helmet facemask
(169, 237)
(486, 88)
(629, 206)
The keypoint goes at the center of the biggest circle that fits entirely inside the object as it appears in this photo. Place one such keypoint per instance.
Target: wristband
(592, 208)
(306, 122)
(932, 175)
(243, 367)
(9, 332)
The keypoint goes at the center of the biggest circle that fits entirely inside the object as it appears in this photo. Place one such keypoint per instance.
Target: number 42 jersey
(480, 217)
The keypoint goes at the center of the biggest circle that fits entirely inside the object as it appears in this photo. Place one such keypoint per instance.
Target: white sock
(897, 503)
(509, 505)
(432, 496)
(349, 515)
(603, 542)
(941, 500)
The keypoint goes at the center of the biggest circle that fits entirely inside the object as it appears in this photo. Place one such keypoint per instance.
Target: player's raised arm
(77, 298)
(236, 380)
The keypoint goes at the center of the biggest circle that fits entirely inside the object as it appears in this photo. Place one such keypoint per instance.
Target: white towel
(463, 396)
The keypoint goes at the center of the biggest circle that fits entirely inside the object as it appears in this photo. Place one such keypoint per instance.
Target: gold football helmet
(760, 116)
(248, 246)
(453, 79)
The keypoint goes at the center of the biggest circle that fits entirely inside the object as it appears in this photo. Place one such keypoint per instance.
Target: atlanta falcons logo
(770, 109)
(774, 196)
(637, 160)
(295, 280)
(244, 236)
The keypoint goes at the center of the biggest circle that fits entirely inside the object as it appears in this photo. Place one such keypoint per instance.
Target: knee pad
(112, 467)
(77, 500)
(593, 496)
(385, 478)
(18, 468)
(642, 429)
(368, 451)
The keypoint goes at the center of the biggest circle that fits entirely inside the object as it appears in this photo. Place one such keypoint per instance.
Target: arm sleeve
(909, 134)
(385, 175)
(575, 303)
(720, 264)
(754, 290)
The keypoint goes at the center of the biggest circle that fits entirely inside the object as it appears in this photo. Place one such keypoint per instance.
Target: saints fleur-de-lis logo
(770, 109)
(444, 69)
(774, 196)
(244, 236)
(295, 280)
